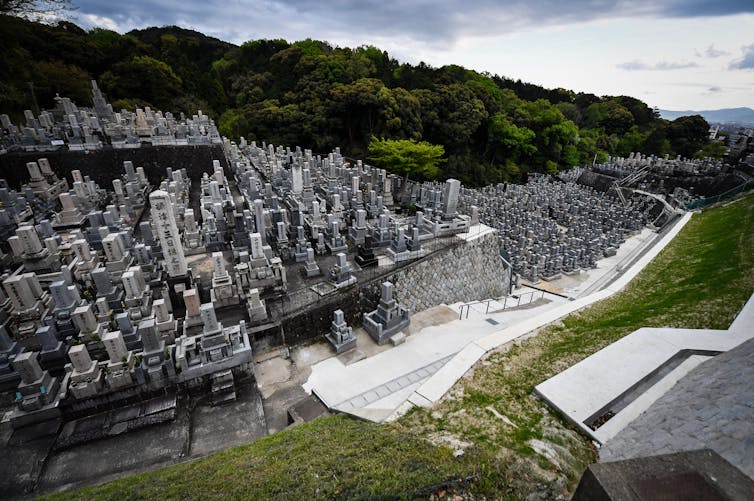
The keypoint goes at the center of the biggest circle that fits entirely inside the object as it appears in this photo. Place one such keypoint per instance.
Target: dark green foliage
(312, 94)
(687, 135)
(143, 76)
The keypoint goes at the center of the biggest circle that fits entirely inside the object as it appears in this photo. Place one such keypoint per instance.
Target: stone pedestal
(256, 307)
(38, 394)
(223, 291)
(87, 378)
(340, 274)
(311, 269)
(398, 250)
(388, 319)
(365, 257)
(341, 335)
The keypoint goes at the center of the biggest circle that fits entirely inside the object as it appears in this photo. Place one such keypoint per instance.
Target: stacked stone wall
(467, 272)
(464, 272)
(105, 165)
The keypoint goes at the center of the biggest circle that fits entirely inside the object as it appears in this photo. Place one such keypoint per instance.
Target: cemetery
(123, 305)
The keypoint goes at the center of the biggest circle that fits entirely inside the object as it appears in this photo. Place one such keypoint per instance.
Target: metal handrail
(487, 302)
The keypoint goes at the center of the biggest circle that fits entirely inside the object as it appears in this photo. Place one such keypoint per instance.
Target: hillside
(309, 93)
(532, 453)
(737, 115)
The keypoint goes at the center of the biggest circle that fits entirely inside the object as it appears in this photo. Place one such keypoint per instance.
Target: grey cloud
(713, 52)
(437, 24)
(706, 8)
(661, 66)
(747, 61)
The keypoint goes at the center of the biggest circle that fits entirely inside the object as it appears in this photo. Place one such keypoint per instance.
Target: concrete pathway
(383, 386)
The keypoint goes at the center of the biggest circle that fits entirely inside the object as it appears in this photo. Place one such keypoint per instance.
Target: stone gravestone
(341, 334)
(388, 319)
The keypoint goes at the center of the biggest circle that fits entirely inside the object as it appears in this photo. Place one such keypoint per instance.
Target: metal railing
(505, 300)
(704, 202)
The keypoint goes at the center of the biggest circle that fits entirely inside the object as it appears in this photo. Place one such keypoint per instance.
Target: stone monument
(388, 319)
(341, 334)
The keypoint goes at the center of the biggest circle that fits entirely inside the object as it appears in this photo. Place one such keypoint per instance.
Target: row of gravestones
(549, 227)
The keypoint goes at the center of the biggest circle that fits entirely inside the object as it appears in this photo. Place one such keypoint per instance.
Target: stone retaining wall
(105, 165)
(468, 272)
(465, 271)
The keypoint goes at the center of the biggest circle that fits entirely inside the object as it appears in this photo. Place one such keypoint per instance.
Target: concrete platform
(709, 408)
(625, 378)
(699, 474)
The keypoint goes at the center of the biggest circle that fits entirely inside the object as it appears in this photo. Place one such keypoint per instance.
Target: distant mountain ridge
(741, 115)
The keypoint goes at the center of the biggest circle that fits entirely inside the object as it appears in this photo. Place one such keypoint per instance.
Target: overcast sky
(680, 55)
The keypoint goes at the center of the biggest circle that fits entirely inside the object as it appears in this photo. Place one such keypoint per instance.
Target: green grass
(702, 279)
(333, 457)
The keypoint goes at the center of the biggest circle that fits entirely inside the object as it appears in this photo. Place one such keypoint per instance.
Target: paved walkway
(453, 348)
(401, 369)
(713, 407)
(393, 386)
(436, 386)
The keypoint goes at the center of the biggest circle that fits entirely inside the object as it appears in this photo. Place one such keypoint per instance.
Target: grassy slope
(701, 279)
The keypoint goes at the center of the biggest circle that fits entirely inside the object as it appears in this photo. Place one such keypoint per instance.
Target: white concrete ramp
(622, 380)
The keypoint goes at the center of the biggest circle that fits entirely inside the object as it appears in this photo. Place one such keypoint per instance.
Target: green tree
(416, 159)
(610, 116)
(656, 142)
(714, 149)
(555, 136)
(508, 142)
(145, 77)
(451, 115)
(53, 77)
(688, 134)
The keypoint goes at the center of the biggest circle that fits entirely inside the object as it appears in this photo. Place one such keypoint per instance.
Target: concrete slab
(745, 319)
(393, 387)
(445, 378)
(642, 403)
(271, 372)
(709, 408)
(393, 400)
(421, 349)
(699, 474)
(217, 428)
(22, 464)
(596, 382)
(374, 415)
(116, 456)
(476, 231)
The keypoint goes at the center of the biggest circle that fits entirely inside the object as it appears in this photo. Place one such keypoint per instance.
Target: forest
(417, 120)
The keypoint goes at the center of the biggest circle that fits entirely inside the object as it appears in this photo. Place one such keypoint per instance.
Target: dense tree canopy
(688, 134)
(417, 160)
(309, 93)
